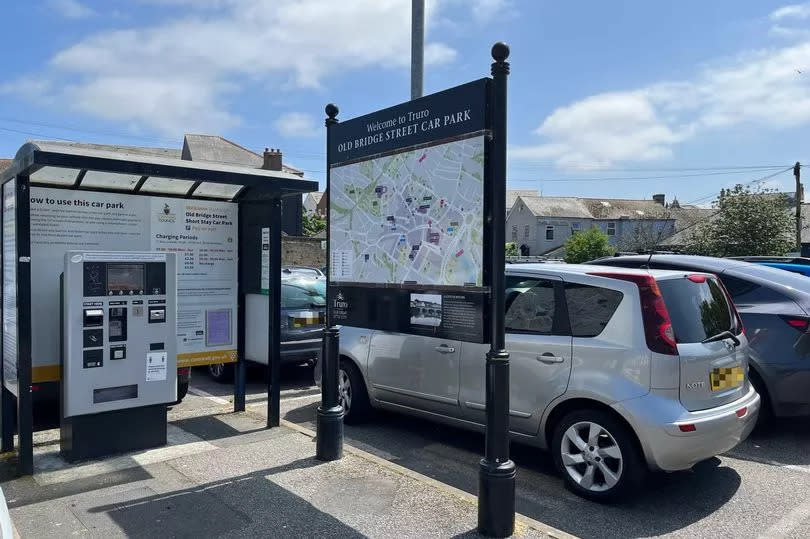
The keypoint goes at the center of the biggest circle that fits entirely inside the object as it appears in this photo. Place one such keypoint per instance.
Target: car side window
(745, 291)
(531, 307)
(590, 308)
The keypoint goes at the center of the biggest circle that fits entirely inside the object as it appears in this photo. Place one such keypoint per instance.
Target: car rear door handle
(549, 358)
(444, 349)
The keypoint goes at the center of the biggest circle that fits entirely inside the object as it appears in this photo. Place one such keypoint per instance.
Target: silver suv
(616, 371)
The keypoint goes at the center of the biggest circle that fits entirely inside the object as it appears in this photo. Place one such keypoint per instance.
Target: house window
(549, 232)
(526, 231)
(611, 229)
(574, 228)
(514, 233)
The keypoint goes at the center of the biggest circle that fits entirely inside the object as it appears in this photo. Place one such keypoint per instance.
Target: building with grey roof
(540, 225)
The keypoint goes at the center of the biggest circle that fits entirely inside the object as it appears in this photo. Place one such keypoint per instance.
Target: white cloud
(761, 88)
(602, 129)
(174, 74)
(485, 10)
(792, 11)
(297, 125)
(439, 53)
(71, 9)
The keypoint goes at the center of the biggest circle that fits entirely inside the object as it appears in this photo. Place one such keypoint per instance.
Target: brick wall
(302, 251)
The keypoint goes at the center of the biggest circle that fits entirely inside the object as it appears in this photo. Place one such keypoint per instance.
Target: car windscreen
(303, 294)
(698, 308)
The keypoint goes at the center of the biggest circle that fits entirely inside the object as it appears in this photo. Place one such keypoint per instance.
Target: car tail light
(183, 370)
(802, 324)
(688, 427)
(657, 324)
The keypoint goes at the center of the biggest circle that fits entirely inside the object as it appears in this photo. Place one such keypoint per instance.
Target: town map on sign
(413, 217)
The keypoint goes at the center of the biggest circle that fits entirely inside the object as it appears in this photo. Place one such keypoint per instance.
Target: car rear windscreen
(698, 310)
(303, 294)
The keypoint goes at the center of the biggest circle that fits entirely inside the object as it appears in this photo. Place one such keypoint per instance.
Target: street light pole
(417, 47)
(329, 422)
(496, 475)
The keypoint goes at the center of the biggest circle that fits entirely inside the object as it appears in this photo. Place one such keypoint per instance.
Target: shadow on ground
(220, 509)
(667, 503)
(777, 443)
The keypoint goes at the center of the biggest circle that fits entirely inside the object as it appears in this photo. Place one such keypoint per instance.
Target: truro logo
(340, 301)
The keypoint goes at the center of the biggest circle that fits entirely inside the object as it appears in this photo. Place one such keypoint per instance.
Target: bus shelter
(222, 221)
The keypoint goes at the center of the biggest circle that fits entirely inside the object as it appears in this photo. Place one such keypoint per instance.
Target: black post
(274, 318)
(239, 368)
(496, 477)
(329, 442)
(8, 406)
(25, 414)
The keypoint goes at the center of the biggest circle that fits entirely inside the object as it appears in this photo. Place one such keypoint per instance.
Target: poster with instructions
(203, 234)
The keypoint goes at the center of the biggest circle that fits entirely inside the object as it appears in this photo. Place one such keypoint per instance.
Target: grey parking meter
(119, 365)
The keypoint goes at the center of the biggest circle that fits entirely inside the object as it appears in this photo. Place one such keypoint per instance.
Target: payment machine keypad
(116, 307)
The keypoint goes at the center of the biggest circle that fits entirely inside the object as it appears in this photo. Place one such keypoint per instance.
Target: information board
(10, 286)
(202, 233)
(407, 208)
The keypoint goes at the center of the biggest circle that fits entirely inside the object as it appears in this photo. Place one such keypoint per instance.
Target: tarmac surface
(760, 489)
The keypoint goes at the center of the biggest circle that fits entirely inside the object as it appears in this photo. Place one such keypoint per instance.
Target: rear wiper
(722, 336)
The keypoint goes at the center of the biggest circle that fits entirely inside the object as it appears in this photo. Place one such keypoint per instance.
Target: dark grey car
(775, 308)
(303, 312)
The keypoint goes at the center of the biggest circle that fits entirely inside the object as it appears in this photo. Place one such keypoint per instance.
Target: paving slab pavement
(225, 475)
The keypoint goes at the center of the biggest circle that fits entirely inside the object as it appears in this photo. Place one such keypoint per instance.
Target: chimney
(272, 159)
(661, 199)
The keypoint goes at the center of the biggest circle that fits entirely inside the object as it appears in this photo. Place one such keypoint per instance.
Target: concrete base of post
(496, 498)
(329, 442)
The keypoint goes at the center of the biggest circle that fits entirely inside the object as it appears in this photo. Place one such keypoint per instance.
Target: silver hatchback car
(615, 371)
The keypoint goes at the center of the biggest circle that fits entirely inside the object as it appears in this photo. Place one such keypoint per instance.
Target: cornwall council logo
(166, 215)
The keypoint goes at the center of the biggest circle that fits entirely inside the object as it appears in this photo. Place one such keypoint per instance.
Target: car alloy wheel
(344, 390)
(591, 456)
(216, 369)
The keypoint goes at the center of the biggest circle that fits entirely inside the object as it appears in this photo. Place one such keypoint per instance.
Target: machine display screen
(125, 277)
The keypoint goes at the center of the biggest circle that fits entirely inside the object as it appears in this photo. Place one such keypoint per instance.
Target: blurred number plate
(304, 319)
(726, 378)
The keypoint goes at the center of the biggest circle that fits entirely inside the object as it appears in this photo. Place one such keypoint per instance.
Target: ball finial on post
(500, 51)
(332, 111)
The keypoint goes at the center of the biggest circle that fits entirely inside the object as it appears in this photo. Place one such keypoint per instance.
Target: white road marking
(250, 402)
(792, 467)
(207, 395)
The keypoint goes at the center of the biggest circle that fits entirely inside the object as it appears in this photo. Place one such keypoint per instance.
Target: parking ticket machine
(119, 365)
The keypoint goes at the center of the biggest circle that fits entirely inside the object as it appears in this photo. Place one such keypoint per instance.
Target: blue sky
(624, 98)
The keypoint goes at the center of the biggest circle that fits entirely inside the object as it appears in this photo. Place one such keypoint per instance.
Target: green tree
(587, 246)
(747, 223)
(511, 249)
(312, 224)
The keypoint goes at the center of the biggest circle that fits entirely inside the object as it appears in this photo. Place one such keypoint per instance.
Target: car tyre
(597, 455)
(352, 393)
(221, 372)
(765, 411)
(182, 391)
